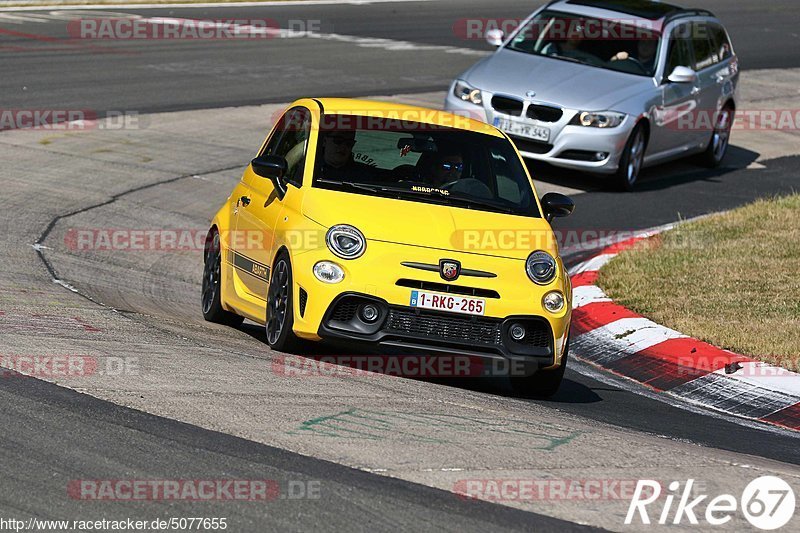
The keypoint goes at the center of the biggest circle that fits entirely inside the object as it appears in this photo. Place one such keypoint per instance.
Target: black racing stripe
(248, 266)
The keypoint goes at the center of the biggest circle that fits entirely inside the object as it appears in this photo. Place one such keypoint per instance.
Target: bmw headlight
(541, 267)
(601, 119)
(346, 241)
(467, 92)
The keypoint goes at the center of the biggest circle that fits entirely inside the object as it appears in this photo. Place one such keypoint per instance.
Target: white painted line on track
(595, 372)
(593, 264)
(632, 335)
(586, 295)
(766, 376)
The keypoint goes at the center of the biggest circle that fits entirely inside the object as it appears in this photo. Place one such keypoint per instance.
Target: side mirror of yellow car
(272, 167)
(556, 205)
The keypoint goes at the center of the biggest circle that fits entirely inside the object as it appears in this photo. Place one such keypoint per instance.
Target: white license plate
(448, 302)
(523, 129)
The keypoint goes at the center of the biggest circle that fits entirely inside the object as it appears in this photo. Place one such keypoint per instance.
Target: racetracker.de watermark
(69, 119)
(560, 28)
(494, 240)
(408, 366)
(240, 490)
(169, 28)
(544, 490)
(66, 366)
(707, 120)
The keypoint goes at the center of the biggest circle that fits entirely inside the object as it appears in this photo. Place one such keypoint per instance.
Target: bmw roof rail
(688, 13)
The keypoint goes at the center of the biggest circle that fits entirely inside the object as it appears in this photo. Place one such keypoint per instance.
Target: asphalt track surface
(45, 68)
(60, 434)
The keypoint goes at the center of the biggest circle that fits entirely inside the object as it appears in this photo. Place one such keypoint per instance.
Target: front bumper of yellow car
(332, 311)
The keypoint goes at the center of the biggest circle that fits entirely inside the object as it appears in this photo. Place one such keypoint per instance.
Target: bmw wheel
(280, 312)
(632, 160)
(211, 298)
(720, 139)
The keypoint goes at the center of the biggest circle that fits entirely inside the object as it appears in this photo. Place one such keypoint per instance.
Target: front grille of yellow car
(450, 328)
(445, 287)
(536, 334)
(345, 310)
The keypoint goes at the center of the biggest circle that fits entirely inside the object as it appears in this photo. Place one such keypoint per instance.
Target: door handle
(245, 201)
(695, 91)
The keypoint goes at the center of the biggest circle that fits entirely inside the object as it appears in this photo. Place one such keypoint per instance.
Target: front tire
(543, 383)
(720, 139)
(632, 160)
(211, 299)
(280, 309)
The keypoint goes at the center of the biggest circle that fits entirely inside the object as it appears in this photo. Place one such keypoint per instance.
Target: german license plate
(448, 302)
(523, 129)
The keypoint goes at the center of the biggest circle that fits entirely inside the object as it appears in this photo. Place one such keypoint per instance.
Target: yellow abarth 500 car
(394, 226)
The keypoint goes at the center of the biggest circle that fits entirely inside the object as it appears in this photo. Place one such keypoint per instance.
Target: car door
(674, 121)
(259, 206)
(713, 57)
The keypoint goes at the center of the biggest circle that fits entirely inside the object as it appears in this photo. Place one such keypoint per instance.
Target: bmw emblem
(530, 94)
(449, 269)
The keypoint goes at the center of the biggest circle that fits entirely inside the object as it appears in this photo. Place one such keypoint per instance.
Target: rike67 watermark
(767, 503)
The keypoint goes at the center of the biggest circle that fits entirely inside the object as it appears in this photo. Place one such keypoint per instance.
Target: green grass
(732, 280)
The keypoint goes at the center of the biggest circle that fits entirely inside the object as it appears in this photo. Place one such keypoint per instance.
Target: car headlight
(541, 267)
(346, 241)
(328, 272)
(467, 92)
(601, 119)
(553, 301)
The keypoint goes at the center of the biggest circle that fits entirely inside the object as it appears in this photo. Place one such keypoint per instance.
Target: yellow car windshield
(422, 162)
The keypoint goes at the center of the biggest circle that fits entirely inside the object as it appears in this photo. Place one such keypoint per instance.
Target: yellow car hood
(430, 225)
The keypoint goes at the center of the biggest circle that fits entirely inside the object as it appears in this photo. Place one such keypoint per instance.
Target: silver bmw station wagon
(608, 87)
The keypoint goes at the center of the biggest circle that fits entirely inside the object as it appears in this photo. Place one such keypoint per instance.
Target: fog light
(599, 156)
(517, 332)
(328, 272)
(369, 313)
(553, 301)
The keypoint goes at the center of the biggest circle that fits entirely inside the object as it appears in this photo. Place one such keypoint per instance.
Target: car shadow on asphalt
(661, 176)
(352, 357)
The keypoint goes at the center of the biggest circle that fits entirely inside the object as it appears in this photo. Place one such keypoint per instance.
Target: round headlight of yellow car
(328, 272)
(346, 241)
(541, 267)
(553, 301)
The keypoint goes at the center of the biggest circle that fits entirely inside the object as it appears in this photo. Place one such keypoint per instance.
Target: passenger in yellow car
(337, 157)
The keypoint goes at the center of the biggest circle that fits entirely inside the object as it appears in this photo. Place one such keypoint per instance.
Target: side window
(290, 141)
(680, 54)
(507, 186)
(722, 45)
(704, 55)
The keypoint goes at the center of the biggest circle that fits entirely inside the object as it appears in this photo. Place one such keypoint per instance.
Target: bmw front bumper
(574, 147)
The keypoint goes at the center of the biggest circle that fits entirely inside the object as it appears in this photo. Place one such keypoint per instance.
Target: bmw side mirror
(272, 167)
(495, 37)
(557, 205)
(682, 75)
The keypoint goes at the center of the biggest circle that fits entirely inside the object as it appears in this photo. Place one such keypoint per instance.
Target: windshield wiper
(450, 199)
(351, 184)
(572, 59)
(474, 203)
(431, 193)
